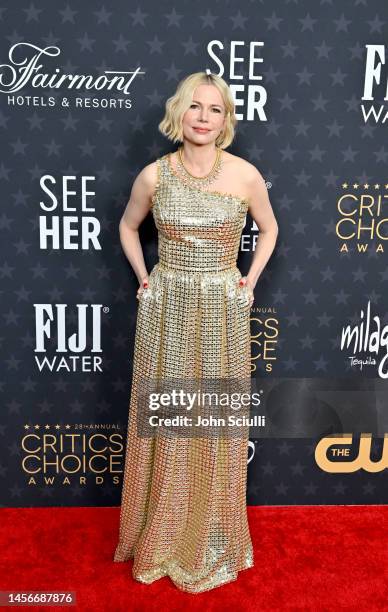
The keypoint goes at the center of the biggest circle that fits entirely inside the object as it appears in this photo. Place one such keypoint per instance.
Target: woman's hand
(143, 285)
(244, 282)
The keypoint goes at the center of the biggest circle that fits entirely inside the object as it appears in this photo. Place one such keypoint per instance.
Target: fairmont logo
(366, 337)
(25, 68)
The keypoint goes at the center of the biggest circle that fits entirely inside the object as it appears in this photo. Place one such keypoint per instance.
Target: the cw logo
(362, 461)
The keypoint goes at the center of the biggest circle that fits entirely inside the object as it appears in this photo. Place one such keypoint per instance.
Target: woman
(183, 507)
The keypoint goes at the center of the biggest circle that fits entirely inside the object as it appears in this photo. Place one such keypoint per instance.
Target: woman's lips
(201, 130)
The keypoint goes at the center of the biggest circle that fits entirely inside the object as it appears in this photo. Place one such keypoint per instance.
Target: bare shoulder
(149, 175)
(242, 168)
(146, 180)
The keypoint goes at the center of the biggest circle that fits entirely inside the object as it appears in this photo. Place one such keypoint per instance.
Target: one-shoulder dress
(183, 503)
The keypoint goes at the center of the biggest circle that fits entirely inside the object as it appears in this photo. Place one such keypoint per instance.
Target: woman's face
(207, 111)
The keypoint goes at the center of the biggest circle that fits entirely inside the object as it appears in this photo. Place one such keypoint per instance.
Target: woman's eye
(196, 106)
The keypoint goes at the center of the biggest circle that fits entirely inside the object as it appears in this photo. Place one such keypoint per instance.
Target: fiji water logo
(68, 340)
(364, 339)
(375, 84)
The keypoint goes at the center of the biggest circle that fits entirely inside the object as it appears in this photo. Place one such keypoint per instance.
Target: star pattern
(313, 141)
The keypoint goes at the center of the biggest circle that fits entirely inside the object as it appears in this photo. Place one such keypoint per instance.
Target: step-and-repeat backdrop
(82, 90)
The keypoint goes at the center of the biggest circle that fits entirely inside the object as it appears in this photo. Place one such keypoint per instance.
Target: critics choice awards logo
(69, 454)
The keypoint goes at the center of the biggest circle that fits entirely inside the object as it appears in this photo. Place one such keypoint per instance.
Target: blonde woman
(183, 507)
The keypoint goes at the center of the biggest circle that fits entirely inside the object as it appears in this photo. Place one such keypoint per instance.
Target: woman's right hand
(144, 285)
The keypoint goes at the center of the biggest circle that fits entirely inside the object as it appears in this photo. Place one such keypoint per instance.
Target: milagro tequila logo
(26, 67)
(76, 351)
(374, 84)
(366, 337)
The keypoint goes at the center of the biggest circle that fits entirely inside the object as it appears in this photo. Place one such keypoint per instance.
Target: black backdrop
(307, 80)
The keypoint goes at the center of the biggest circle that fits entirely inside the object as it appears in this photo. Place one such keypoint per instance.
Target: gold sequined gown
(183, 506)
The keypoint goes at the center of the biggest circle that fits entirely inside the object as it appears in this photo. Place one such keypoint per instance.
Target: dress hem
(159, 573)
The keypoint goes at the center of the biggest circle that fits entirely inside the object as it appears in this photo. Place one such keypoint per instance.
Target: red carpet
(309, 557)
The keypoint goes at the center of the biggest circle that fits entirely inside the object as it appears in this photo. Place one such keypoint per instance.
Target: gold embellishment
(200, 180)
(211, 193)
(183, 506)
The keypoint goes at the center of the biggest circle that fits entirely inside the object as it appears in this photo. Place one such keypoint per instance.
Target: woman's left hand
(244, 282)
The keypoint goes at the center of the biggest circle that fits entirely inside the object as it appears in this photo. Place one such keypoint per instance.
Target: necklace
(203, 181)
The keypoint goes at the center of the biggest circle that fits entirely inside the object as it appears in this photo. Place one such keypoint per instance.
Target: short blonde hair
(177, 105)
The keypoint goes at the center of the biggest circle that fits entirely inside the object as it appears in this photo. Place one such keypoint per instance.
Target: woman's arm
(137, 209)
(261, 211)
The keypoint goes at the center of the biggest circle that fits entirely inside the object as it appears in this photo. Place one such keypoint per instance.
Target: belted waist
(172, 266)
(197, 256)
